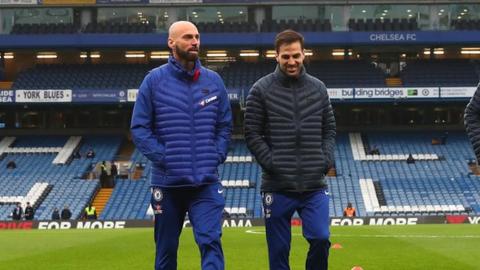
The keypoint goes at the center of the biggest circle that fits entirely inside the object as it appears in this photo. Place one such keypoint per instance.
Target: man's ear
(171, 43)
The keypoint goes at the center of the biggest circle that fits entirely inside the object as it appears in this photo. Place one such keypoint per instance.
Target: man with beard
(290, 129)
(182, 122)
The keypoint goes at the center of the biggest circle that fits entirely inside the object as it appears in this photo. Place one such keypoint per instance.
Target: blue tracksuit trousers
(312, 208)
(204, 205)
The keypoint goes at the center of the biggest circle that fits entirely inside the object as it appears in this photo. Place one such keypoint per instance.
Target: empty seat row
(420, 209)
(69, 28)
(236, 210)
(44, 28)
(33, 150)
(386, 24)
(466, 24)
(239, 159)
(439, 73)
(399, 157)
(226, 27)
(120, 28)
(86, 76)
(236, 183)
(300, 25)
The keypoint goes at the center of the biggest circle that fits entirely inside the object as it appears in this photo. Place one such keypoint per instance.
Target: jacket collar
(287, 81)
(178, 71)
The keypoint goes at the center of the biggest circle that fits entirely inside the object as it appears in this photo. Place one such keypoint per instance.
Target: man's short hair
(288, 37)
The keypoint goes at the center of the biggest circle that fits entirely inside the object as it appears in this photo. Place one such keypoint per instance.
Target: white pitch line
(263, 232)
(387, 235)
(255, 232)
(405, 236)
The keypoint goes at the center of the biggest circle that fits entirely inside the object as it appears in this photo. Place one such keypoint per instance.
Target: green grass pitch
(371, 247)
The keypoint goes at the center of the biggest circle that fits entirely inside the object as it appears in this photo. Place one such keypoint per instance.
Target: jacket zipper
(192, 134)
(297, 135)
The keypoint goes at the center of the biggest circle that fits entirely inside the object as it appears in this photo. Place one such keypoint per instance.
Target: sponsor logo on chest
(207, 101)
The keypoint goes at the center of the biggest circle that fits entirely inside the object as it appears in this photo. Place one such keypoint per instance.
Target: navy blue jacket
(290, 129)
(182, 122)
(472, 122)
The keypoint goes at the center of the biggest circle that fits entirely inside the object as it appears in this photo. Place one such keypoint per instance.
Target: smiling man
(182, 123)
(290, 129)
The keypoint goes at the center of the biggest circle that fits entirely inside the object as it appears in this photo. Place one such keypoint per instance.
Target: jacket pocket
(165, 162)
(271, 161)
(324, 164)
(214, 146)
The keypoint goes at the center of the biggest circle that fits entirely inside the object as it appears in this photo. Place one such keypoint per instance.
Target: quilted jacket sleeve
(224, 122)
(472, 122)
(329, 130)
(142, 124)
(255, 121)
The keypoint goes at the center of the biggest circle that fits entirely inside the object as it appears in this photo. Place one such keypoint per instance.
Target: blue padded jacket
(182, 122)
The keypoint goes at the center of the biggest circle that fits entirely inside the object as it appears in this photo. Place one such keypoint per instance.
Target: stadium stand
(67, 150)
(360, 152)
(300, 25)
(347, 73)
(66, 185)
(374, 186)
(226, 27)
(5, 144)
(405, 188)
(130, 200)
(387, 24)
(97, 28)
(439, 182)
(440, 73)
(86, 76)
(428, 187)
(119, 28)
(465, 24)
(41, 28)
(241, 75)
(442, 184)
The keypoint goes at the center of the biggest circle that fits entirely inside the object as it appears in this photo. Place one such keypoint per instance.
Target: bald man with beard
(182, 123)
